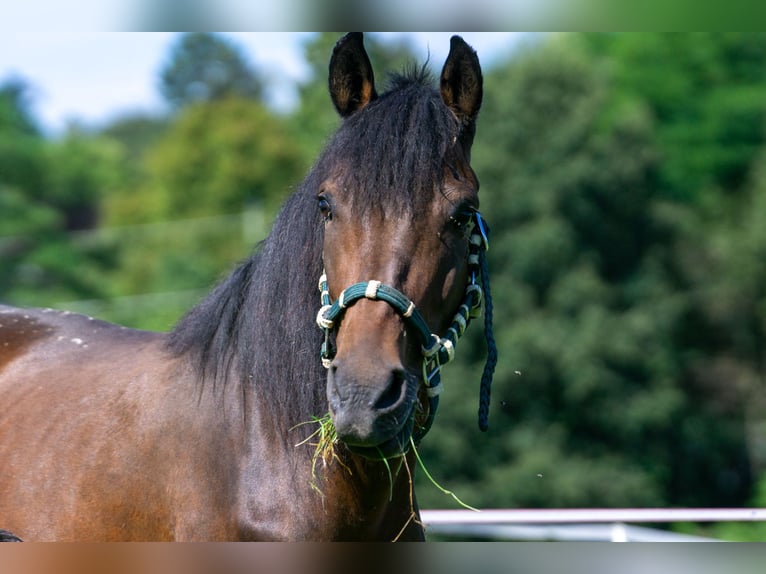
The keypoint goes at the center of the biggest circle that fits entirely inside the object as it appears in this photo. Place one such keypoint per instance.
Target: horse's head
(399, 202)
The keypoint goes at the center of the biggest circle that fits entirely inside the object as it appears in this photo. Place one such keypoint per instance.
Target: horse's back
(22, 329)
(56, 351)
(83, 403)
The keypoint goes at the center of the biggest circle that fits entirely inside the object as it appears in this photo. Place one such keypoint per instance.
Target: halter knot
(322, 320)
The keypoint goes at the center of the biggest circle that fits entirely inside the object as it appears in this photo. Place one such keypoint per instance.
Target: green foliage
(15, 115)
(46, 189)
(216, 158)
(206, 184)
(706, 91)
(603, 394)
(136, 134)
(161, 270)
(20, 141)
(205, 67)
(81, 170)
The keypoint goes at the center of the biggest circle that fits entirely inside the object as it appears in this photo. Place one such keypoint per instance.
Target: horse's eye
(462, 217)
(324, 208)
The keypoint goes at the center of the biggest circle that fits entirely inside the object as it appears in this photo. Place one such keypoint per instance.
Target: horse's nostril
(394, 391)
(334, 396)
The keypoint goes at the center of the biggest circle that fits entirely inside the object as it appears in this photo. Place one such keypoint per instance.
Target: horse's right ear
(352, 83)
(461, 81)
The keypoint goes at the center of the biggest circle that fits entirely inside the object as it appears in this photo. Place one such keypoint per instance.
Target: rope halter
(437, 351)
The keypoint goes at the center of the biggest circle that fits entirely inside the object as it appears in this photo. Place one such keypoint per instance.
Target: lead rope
(485, 388)
(437, 351)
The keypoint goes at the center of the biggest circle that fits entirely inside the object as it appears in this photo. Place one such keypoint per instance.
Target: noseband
(437, 351)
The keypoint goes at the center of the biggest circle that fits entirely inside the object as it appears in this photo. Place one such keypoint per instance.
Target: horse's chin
(395, 447)
(392, 448)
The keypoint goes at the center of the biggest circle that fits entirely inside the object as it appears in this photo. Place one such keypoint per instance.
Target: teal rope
(485, 388)
(393, 297)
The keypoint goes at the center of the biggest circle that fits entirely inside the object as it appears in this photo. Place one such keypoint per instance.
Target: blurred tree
(205, 67)
(709, 95)
(219, 157)
(723, 260)
(136, 136)
(20, 140)
(82, 170)
(136, 133)
(705, 90)
(21, 169)
(16, 114)
(596, 401)
(47, 188)
(207, 186)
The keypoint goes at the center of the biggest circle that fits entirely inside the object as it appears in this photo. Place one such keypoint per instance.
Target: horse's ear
(461, 81)
(352, 83)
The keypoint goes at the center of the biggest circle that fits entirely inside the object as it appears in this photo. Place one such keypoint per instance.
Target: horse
(211, 430)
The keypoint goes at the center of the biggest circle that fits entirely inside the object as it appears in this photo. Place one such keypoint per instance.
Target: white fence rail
(579, 524)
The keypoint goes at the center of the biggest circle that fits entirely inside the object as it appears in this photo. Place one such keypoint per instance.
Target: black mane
(258, 324)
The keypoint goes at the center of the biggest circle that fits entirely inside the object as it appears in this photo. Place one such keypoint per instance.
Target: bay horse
(109, 433)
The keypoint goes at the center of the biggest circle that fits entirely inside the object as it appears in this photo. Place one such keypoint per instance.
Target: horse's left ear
(352, 83)
(461, 81)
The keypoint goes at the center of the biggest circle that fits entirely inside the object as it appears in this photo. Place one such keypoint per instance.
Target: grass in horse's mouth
(325, 439)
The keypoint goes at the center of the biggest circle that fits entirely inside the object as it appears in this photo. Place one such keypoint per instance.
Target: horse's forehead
(384, 187)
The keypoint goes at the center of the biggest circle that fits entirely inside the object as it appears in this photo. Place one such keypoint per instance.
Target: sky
(93, 77)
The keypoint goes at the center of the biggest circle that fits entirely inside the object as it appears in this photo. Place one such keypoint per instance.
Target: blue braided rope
(485, 388)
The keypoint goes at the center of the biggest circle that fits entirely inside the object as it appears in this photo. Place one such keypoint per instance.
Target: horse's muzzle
(372, 408)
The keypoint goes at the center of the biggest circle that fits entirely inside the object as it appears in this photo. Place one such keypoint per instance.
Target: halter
(437, 351)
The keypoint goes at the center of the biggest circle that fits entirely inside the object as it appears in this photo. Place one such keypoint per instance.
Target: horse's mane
(258, 324)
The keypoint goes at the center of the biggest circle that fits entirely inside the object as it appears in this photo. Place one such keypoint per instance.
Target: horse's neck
(290, 494)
